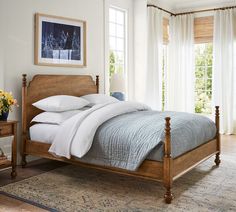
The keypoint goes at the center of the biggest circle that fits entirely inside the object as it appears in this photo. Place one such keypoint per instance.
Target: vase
(4, 116)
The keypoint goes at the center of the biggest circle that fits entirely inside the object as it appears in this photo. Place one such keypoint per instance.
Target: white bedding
(44, 133)
(75, 135)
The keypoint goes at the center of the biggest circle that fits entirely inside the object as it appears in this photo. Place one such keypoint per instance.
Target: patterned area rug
(72, 188)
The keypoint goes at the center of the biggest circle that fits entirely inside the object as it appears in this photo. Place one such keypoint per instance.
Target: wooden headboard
(42, 86)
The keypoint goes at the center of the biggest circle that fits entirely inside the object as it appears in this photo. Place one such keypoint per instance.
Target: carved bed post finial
(24, 80)
(217, 123)
(97, 83)
(167, 163)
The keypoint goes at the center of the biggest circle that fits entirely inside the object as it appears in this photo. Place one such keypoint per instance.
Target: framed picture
(59, 41)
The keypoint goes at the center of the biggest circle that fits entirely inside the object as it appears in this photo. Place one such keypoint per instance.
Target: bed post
(217, 123)
(167, 163)
(97, 83)
(24, 121)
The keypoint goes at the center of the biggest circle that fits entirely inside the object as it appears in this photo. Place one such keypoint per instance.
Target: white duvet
(78, 131)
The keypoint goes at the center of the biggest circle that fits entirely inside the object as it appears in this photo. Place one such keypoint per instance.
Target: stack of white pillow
(62, 107)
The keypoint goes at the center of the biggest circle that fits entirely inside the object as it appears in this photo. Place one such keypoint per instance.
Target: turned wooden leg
(168, 196)
(23, 161)
(14, 152)
(168, 163)
(217, 159)
(13, 174)
(217, 123)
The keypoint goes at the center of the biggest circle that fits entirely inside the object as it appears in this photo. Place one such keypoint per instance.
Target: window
(203, 77)
(203, 36)
(117, 41)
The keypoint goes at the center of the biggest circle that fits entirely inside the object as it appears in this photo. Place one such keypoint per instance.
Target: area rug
(72, 188)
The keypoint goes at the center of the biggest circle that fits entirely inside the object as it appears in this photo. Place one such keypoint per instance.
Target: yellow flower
(6, 101)
(10, 101)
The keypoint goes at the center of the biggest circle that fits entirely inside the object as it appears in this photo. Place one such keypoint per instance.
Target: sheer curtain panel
(180, 73)
(153, 94)
(224, 68)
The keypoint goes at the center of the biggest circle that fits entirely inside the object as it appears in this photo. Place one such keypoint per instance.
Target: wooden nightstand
(9, 128)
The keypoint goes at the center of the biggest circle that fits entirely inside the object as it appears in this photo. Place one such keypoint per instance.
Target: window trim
(125, 38)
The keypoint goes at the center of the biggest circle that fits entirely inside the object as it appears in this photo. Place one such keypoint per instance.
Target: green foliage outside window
(203, 76)
(116, 63)
(112, 67)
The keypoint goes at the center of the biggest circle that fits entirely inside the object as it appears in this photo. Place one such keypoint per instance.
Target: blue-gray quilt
(127, 140)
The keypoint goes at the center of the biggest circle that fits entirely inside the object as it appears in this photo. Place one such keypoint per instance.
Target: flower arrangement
(6, 102)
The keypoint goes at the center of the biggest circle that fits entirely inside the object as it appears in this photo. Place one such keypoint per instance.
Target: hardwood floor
(8, 204)
(32, 169)
(41, 166)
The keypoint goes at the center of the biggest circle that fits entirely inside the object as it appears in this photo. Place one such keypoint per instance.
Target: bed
(165, 169)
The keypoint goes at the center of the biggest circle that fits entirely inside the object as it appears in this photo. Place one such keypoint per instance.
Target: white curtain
(224, 68)
(153, 94)
(180, 73)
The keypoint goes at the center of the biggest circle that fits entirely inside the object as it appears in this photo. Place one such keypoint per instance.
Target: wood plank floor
(8, 204)
(38, 167)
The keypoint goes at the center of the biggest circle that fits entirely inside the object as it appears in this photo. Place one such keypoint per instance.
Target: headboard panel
(43, 86)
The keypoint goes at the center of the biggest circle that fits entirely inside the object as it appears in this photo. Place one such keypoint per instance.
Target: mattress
(45, 133)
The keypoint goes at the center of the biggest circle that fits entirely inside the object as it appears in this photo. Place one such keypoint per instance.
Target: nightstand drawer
(5, 130)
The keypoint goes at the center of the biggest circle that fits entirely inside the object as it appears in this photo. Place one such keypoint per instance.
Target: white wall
(1, 62)
(1, 68)
(140, 49)
(17, 40)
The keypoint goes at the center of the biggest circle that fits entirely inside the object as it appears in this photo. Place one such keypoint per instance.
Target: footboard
(174, 168)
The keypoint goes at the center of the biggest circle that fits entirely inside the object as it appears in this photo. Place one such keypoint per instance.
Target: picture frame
(59, 41)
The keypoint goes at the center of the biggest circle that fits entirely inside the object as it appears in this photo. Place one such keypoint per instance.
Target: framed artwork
(59, 41)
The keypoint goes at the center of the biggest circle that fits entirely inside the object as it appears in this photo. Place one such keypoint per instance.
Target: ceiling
(186, 5)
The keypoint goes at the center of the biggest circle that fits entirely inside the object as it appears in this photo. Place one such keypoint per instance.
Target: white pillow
(60, 103)
(55, 118)
(94, 99)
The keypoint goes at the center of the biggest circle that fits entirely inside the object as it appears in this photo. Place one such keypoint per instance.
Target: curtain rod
(152, 5)
(191, 12)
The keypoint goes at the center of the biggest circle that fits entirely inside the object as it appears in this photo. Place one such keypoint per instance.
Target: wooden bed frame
(167, 171)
